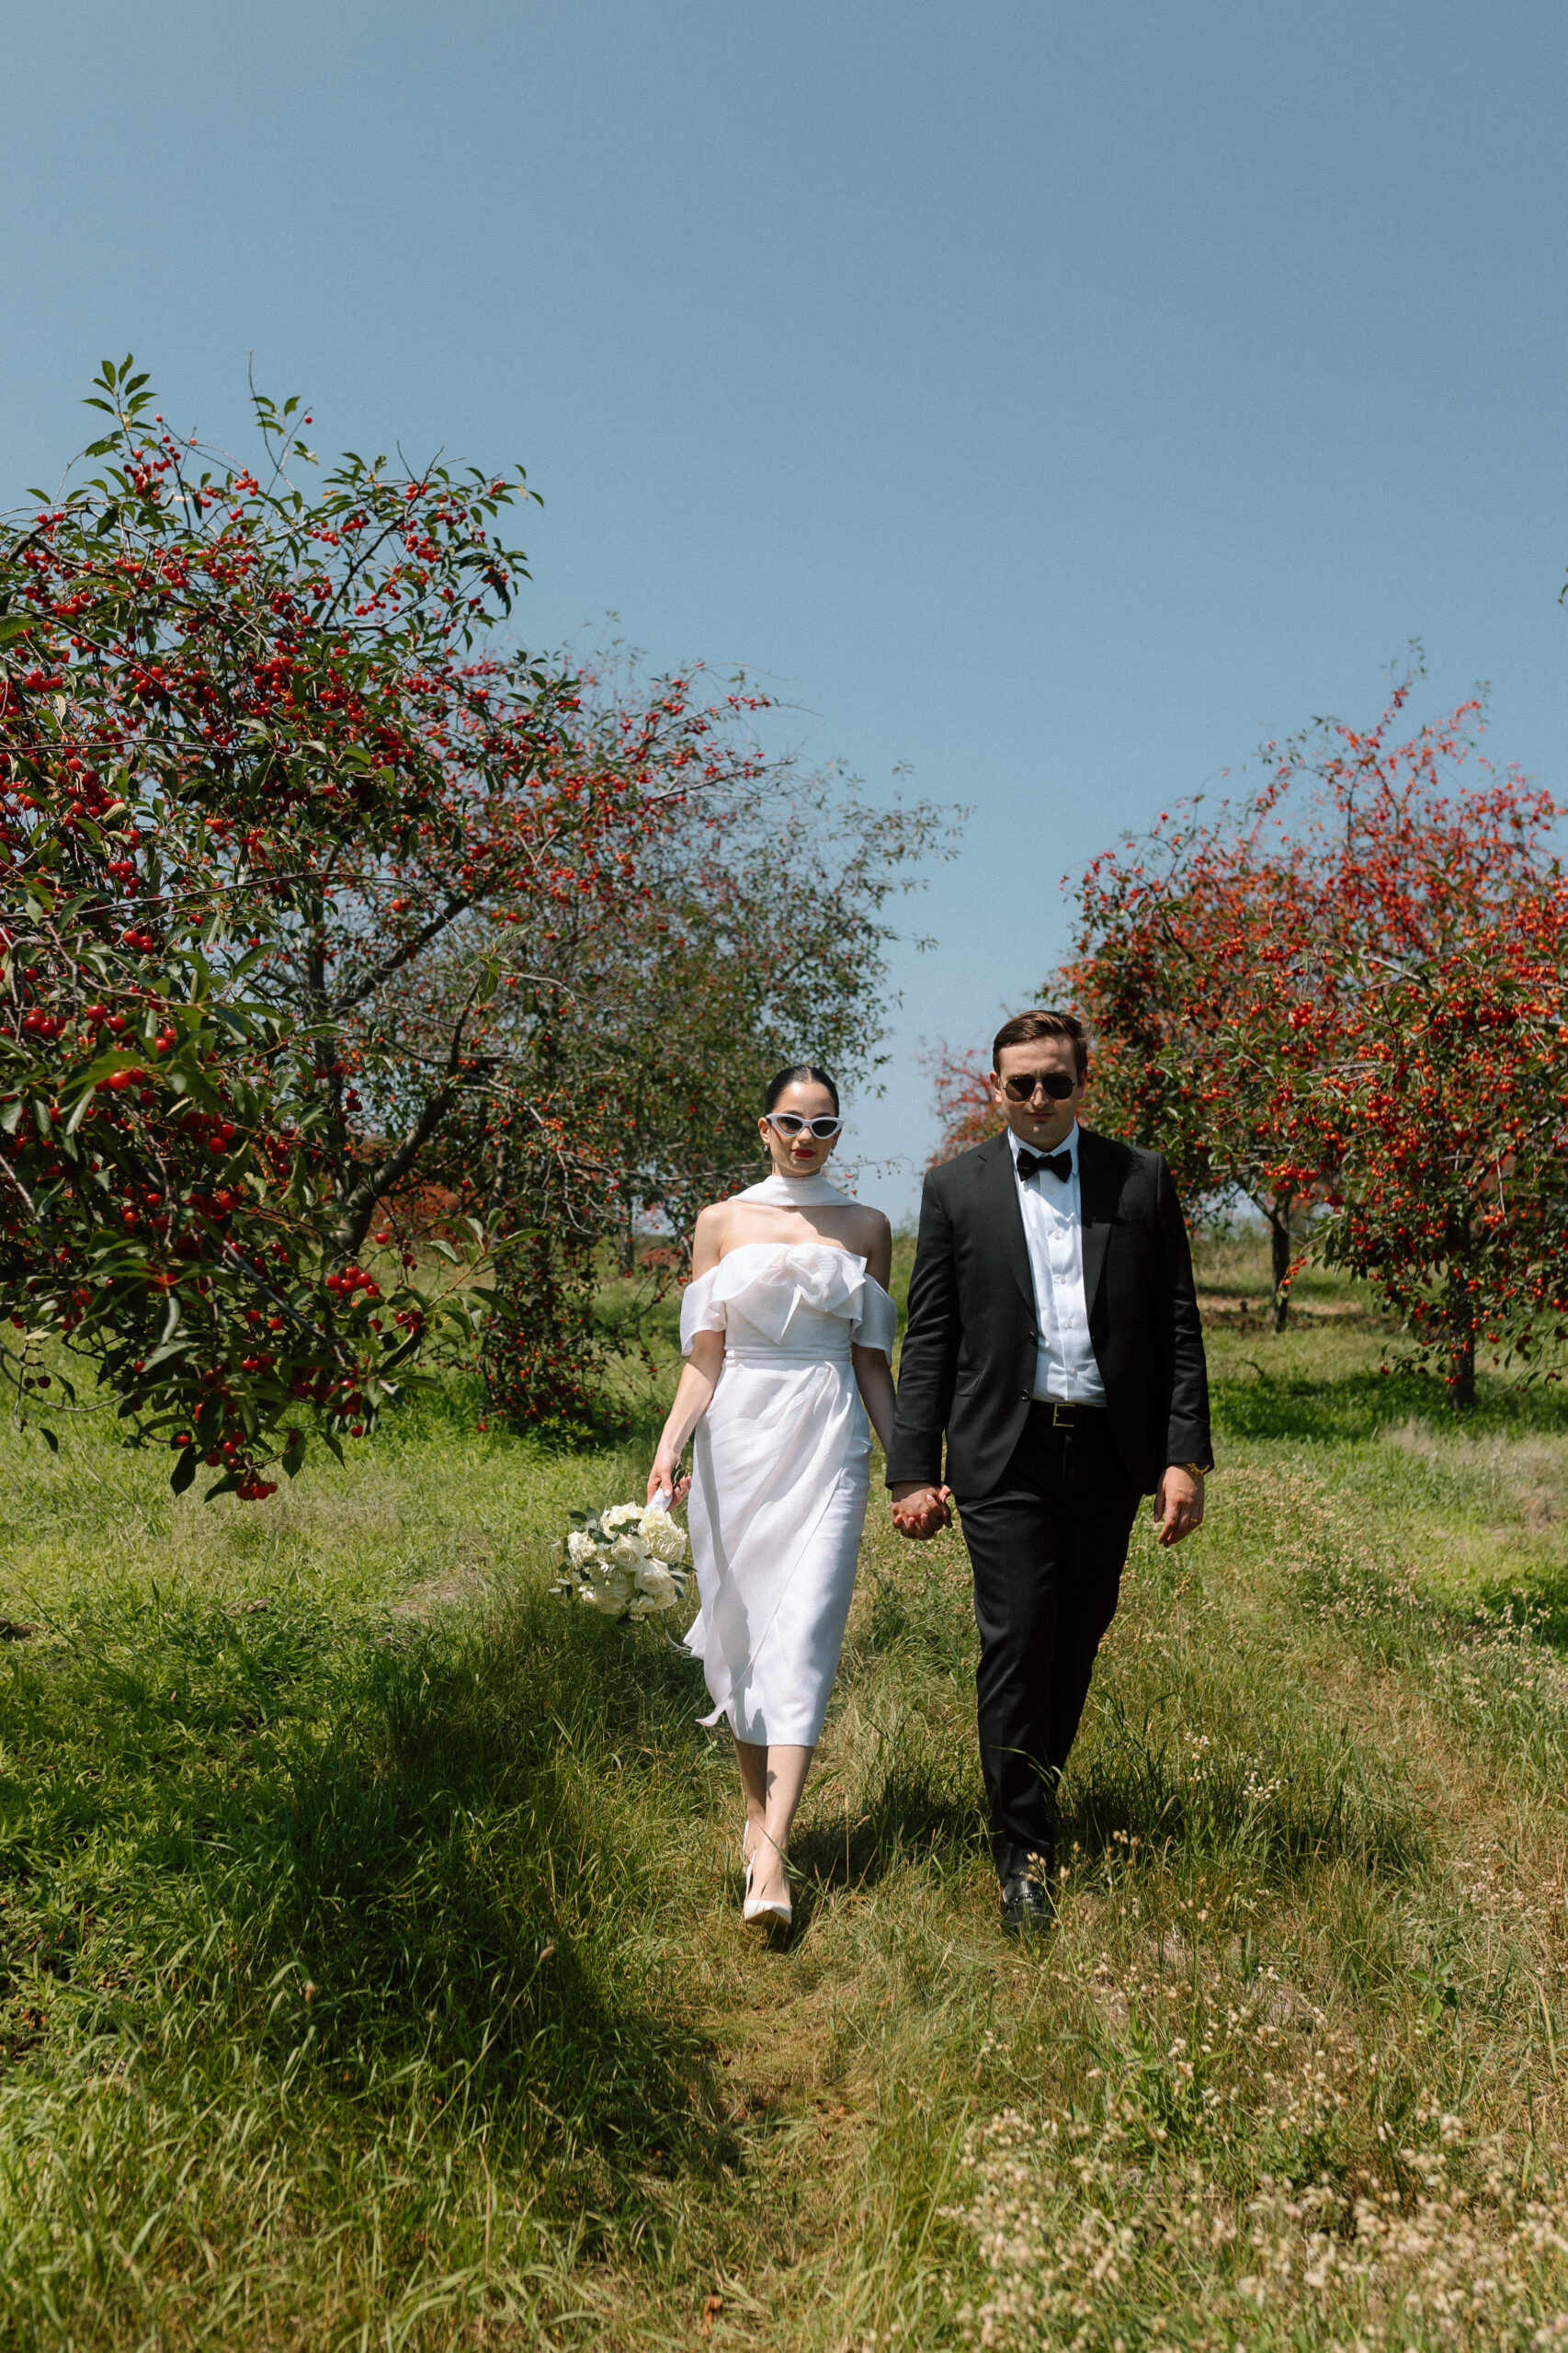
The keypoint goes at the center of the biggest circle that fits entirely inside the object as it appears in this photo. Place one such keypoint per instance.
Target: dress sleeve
(877, 1324)
(701, 1310)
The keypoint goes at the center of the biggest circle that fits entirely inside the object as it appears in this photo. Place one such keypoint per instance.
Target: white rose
(619, 1516)
(581, 1548)
(661, 1537)
(655, 1581)
(626, 1554)
(641, 1605)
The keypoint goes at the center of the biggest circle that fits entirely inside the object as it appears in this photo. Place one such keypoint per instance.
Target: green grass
(369, 1965)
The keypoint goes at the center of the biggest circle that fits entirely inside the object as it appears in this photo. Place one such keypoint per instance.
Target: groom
(1053, 1336)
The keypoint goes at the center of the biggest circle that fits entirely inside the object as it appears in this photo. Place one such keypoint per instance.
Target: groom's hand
(1178, 1503)
(920, 1510)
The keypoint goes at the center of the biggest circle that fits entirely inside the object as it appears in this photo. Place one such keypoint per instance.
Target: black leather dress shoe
(1026, 1907)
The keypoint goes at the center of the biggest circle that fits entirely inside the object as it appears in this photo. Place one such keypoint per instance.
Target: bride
(786, 1315)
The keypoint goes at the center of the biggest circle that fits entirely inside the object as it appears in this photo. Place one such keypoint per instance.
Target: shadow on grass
(1222, 1805)
(921, 1815)
(1358, 1404)
(398, 1869)
(1538, 1599)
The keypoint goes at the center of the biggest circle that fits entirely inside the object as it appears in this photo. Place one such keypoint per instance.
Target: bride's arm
(873, 1375)
(698, 1378)
(699, 1374)
(873, 1372)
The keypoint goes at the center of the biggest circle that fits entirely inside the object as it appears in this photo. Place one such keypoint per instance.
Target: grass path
(370, 1974)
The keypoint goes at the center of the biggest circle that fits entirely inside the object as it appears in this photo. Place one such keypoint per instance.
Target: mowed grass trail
(371, 1972)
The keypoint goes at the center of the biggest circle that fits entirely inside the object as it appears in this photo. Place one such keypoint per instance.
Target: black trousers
(1047, 1546)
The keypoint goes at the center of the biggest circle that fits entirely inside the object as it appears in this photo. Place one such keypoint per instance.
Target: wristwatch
(1196, 1470)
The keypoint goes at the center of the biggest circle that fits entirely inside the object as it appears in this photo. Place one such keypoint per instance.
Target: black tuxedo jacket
(968, 1364)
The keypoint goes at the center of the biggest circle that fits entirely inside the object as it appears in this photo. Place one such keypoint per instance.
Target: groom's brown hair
(1025, 1028)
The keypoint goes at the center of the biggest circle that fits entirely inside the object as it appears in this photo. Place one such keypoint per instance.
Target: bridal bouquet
(629, 1562)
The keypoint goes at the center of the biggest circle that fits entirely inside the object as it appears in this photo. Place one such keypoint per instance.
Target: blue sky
(1053, 400)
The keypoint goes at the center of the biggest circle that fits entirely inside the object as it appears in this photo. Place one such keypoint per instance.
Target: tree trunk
(1461, 1341)
(1278, 1215)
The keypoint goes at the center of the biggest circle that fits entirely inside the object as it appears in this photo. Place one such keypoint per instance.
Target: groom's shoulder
(1122, 1163)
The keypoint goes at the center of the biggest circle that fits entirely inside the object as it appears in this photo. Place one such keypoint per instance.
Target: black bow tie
(1031, 1164)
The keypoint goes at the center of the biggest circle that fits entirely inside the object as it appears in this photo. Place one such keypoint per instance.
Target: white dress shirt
(1065, 1365)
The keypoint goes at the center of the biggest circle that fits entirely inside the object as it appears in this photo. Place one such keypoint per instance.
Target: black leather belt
(1060, 1417)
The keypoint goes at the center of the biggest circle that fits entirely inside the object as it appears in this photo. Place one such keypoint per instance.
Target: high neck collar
(796, 1193)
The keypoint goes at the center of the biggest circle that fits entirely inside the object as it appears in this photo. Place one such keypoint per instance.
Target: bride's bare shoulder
(714, 1226)
(874, 1241)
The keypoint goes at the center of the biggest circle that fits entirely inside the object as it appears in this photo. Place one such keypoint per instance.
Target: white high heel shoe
(757, 1911)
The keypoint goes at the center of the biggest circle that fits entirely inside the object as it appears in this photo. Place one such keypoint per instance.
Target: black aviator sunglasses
(1056, 1084)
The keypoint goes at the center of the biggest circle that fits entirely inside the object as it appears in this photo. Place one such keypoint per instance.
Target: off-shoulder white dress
(781, 1469)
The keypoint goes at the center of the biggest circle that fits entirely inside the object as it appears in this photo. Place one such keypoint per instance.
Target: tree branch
(359, 1205)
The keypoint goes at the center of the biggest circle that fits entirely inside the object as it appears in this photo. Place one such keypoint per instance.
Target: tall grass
(369, 1967)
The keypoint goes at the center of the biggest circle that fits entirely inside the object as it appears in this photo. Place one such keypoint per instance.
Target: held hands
(920, 1510)
(1178, 1503)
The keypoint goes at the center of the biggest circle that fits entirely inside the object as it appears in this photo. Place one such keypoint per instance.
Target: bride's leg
(753, 1762)
(786, 1770)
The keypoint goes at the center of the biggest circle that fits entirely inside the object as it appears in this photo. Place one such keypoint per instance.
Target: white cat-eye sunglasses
(789, 1123)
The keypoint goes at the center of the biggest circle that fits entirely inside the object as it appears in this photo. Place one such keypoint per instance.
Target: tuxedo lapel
(1001, 1185)
(1098, 1191)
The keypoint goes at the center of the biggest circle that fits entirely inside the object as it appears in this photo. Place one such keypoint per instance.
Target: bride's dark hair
(796, 1073)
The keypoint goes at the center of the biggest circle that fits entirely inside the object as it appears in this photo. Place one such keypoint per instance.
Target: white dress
(781, 1470)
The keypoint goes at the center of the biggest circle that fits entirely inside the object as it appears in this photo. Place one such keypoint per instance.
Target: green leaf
(48, 1438)
(184, 1471)
(293, 1457)
(224, 1486)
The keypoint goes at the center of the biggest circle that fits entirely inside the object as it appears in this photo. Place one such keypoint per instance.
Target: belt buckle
(1062, 1416)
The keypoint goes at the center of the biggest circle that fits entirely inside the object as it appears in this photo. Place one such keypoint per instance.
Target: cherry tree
(269, 788)
(1348, 993)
